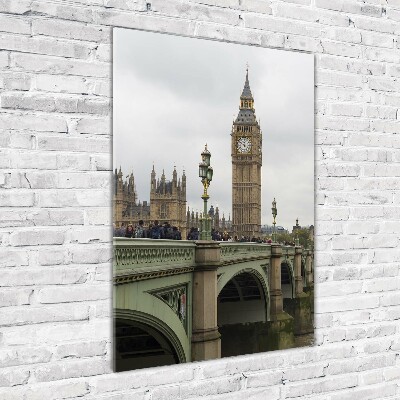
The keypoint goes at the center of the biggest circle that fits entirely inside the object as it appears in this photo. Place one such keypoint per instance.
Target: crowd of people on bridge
(166, 231)
(153, 231)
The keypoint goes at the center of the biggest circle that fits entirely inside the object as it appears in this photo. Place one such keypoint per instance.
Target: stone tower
(124, 197)
(168, 200)
(246, 152)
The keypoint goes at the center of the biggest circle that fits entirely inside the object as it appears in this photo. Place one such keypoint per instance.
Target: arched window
(163, 211)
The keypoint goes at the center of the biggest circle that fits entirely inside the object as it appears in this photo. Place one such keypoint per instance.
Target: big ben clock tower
(246, 152)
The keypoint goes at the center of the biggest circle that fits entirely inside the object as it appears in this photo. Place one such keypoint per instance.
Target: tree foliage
(304, 237)
(284, 237)
(303, 234)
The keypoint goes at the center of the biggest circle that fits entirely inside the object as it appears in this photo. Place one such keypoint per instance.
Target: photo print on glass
(213, 199)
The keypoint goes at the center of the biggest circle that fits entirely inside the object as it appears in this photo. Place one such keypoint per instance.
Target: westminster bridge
(182, 301)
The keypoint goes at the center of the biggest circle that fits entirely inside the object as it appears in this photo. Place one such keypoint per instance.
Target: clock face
(243, 145)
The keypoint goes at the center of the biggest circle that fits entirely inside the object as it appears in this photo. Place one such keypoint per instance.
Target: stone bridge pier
(300, 305)
(309, 276)
(206, 340)
(281, 324)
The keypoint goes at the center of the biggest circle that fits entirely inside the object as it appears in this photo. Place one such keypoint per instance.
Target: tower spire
(246, 93)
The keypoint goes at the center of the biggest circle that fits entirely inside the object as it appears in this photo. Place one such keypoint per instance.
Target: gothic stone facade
(167, 201)
(217, 223)
(246, 152)
(126, 207)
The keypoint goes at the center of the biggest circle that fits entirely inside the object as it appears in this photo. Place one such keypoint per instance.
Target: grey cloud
(174, 94)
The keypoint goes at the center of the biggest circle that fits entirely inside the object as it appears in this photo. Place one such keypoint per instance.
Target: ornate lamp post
(274, 214)
(206, 174)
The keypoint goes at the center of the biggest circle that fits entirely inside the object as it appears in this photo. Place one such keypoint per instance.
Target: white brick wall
(55, 160)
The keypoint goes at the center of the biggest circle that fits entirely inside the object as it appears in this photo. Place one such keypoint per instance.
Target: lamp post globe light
(206, 175)
(274, 214)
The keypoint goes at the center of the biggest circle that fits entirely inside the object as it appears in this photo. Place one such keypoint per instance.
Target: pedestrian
(120, 231)
(156, 230)
(129, 231)
(148, 232)
(190, 234)
(193, 234)
(139, 231)
(176, 233)
(167, 231)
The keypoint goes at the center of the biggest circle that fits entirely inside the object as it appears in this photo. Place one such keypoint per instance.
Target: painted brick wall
(55, 162)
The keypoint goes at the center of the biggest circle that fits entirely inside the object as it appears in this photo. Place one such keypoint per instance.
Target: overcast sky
(172, 94)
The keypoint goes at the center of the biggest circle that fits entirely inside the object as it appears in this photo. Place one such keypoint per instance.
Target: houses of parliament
(168, 197)
(167, 204)
(167, 201)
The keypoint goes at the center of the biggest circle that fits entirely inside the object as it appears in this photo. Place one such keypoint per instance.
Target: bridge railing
(135, 256)
(288, 251)
(140, 255)
(233, 252)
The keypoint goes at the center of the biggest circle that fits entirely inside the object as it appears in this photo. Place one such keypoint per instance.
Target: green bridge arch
(227, 273)
(155, 328)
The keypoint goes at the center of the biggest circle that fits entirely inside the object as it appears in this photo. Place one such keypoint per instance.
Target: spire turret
(184, 182)
(174, 176)
(246, 93)
(246, 113)
(153, 183)
(131, 184)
